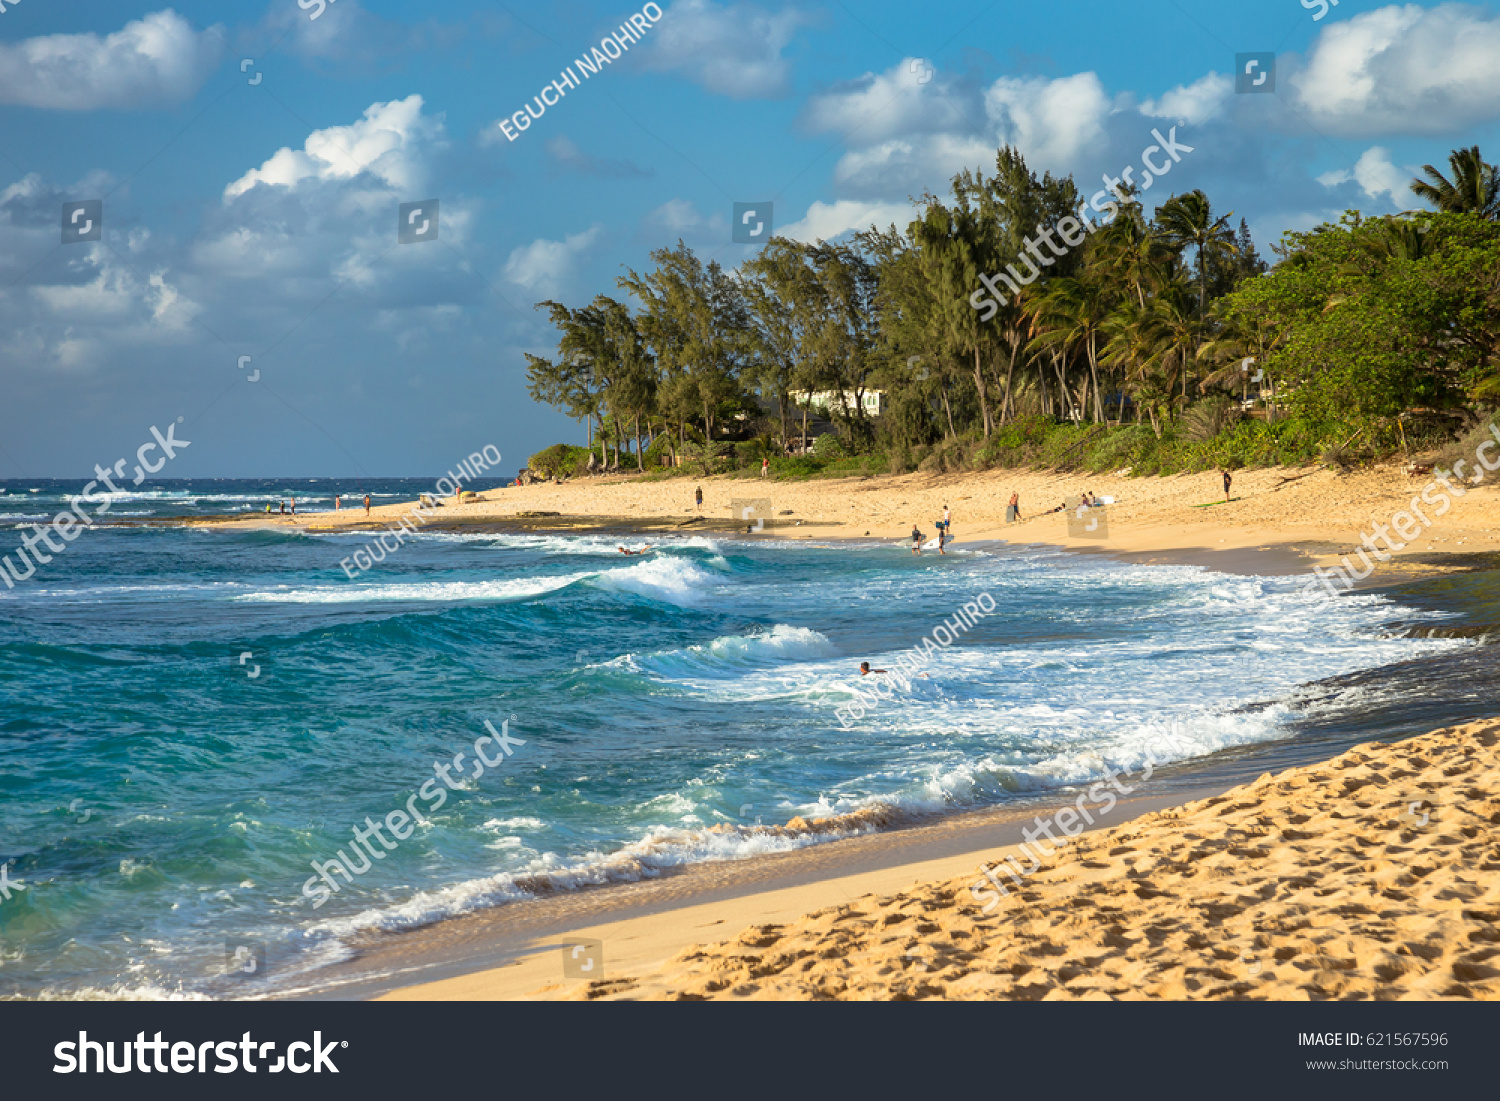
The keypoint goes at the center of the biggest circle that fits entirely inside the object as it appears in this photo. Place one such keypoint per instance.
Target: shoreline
(1283, 521)
(879, 843)
(506, 950)
(1402, 914)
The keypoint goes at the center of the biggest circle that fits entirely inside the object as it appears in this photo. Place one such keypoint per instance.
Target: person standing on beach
(294, 506)
(1227, 480)
(698, 498)
(335, 502)
(1013, 510)
(367, 504)
(765, 466)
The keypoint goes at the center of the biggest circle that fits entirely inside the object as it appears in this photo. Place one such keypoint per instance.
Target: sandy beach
(1305, 517)
(1368, 876)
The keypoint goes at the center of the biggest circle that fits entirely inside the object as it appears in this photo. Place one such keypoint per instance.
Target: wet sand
(1368, 876)
(1288, 520)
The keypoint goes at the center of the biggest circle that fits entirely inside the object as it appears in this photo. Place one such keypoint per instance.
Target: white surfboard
(932, 544)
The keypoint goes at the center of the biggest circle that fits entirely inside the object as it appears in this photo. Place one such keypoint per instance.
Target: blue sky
(258, 219)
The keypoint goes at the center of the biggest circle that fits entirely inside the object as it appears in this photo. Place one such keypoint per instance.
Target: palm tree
(1474, 189)
(1187, 220)
(1070, 313)
(1132, 252)
(1242, 342)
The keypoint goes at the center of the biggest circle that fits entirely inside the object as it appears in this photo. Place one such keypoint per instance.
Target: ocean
(193, 722)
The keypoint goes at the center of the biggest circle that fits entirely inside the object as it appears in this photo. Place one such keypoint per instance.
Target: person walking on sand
(1013, 510)
(698, 498)
(367, 504)
(1227, 480)
(765, 466)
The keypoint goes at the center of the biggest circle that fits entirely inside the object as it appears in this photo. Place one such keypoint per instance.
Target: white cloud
(106, 308)
(904, 135)
(732, 50)
(542, 266)
(1200, 101)
(1403, 69)
(1376, 176)
(677, 216)
(878, 107)
(393, 141)
(1053, 122)
(826, 221)
(154, 61)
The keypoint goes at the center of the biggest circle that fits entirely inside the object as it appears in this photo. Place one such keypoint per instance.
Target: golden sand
(1373, 875)
(1369, 876)
(1317, 511)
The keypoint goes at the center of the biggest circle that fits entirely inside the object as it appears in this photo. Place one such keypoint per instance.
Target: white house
(825, 400)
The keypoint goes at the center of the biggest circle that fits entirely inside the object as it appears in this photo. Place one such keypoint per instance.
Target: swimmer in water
(643, 550)
(865, 670)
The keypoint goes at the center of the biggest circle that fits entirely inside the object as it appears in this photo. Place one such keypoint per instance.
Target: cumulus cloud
(826, 221)
(155, 61)
(1403, 69)
(1200, 101)
(907, 99)
(731, 50)
(680, 219)
(392, 142)
(1053, 121)
(543, 266)
(904, 134)
(1376, 176)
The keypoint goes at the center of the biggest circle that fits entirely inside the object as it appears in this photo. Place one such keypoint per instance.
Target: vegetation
(1156, 344)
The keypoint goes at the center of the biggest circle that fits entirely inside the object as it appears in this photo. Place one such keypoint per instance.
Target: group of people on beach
(338, 504)
(944, 530)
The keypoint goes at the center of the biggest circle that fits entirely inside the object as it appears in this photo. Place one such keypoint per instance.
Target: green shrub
(560, 459)
(829, 446)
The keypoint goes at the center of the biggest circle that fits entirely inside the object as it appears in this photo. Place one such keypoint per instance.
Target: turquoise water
(161, 798)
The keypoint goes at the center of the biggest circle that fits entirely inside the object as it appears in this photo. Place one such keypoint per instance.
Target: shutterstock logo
(83, 221)
(417, 222)
(752, 223)
(1255, 72)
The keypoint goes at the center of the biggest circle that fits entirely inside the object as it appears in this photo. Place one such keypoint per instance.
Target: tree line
(1163, 322)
